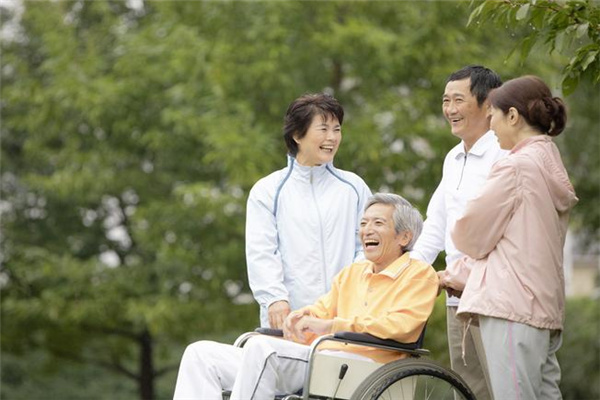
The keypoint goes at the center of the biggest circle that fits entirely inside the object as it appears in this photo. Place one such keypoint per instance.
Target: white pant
(267, 366)
(521, 360)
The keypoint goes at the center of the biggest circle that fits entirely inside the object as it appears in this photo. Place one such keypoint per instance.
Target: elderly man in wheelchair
(358, 341)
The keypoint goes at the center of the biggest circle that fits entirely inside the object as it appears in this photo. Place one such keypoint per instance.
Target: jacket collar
(393, 270)
(528, 141)
(303, 172)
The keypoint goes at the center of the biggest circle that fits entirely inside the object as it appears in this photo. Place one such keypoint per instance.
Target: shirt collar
(483, 144)
(393, 270)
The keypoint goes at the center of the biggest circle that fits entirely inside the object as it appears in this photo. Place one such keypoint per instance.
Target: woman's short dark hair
(532, 98)
(301, 112)
(482, 80)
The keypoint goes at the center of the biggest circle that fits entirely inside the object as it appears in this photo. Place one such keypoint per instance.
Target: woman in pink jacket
(513, 234)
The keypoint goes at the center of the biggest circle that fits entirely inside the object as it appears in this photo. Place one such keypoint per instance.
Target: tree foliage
(131, 137)
(571, 28)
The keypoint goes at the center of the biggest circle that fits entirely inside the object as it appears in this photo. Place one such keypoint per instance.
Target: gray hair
(406, 216)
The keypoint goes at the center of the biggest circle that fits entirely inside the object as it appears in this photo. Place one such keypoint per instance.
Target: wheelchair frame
(382, 377)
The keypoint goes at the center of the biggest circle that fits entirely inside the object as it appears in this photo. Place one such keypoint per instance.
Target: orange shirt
(393, 304)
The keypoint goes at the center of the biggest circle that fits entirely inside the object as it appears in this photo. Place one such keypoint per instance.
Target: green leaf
(475, 13)
(559, 41)
(569, 84)
(582, 29)
(590, 58)
(526, 47)
(522, 13)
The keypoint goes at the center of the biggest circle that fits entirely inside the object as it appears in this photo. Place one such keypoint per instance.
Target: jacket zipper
(324, 266)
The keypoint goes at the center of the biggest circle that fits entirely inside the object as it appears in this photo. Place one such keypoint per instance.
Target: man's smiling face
(467, 119)
(381, 243)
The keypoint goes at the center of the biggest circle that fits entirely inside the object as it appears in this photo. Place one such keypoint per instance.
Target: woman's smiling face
(321, 142)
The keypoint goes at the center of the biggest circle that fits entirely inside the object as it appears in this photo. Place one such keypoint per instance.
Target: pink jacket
(513, 234)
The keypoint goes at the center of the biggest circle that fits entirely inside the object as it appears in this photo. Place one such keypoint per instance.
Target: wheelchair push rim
(415, 380)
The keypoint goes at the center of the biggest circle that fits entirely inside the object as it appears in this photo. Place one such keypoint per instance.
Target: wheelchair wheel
(414, 380)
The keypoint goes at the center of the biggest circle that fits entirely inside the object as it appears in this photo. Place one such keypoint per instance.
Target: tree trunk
(337, 76)
(146, 367)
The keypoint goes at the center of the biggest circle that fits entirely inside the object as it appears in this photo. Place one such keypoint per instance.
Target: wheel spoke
(414, 380)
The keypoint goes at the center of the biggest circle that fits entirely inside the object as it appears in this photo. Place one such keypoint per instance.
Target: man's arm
(265, 267)
(432, 239)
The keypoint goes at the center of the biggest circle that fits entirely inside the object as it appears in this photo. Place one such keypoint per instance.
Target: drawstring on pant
(466, 326)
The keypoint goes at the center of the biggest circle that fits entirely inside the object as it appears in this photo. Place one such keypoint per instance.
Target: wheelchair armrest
(370, 339)
(269, 331)
(362, 338)
(243, 338)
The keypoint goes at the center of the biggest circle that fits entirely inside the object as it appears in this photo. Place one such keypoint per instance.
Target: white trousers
(521, 360)
(265, 366)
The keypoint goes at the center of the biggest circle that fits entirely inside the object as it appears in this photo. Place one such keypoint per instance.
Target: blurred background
(132, 132)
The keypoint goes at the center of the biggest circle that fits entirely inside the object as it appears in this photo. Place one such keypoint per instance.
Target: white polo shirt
(463, 175)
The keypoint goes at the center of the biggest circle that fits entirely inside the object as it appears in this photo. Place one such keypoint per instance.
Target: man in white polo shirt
(465, 169)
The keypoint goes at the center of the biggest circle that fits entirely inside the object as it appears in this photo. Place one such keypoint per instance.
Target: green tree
(569, 27)
(131, 136)
(570, 30)
(121, 238)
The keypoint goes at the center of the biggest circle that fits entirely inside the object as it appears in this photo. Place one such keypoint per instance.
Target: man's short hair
(301, 112)
(482, 80)
(406, 216)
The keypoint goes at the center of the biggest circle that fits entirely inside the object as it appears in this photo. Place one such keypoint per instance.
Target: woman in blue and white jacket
(302, 221)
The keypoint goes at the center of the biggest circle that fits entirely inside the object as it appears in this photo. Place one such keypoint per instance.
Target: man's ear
(405, 238)
(486, 105)
(488, 109)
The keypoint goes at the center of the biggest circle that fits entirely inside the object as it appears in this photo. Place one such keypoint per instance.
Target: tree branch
(111, 331)
(114, 366)
(166, 369)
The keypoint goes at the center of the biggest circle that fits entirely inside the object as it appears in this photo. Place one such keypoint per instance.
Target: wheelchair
(334, 377)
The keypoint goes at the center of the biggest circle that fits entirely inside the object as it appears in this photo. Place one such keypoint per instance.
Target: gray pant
(521, 359)
(475, 372)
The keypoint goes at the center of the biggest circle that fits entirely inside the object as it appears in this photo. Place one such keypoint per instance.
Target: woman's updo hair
(533, 100)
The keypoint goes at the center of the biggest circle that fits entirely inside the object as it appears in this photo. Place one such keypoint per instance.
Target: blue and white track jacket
(301, 230)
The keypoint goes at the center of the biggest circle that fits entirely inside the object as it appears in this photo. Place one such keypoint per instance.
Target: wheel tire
(425, 373)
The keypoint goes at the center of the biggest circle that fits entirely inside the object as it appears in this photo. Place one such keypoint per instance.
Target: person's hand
(290, 323)
(441, 275)
(311, 324)
(278, 311)
(447, 285)
(454, 292)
